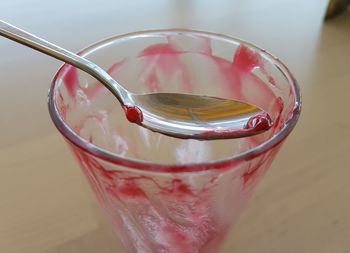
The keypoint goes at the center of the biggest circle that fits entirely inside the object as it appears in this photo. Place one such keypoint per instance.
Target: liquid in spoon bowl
(200, 117)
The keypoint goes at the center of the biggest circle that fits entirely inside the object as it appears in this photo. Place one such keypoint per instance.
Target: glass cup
(163, 194)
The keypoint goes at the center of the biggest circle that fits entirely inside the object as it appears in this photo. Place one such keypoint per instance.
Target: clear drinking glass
(163, 194)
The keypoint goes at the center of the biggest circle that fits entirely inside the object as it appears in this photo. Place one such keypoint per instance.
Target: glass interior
(171, 61)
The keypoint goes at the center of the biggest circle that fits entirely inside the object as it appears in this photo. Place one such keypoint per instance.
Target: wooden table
(302, 205)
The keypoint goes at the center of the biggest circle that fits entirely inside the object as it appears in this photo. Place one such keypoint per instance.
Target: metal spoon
(173, 114)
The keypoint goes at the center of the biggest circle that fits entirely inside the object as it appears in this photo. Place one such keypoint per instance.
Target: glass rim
(226, 162)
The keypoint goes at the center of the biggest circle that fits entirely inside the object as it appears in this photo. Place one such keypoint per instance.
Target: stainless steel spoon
(173, 114)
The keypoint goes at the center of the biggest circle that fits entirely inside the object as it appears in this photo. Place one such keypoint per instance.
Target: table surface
(302, 205)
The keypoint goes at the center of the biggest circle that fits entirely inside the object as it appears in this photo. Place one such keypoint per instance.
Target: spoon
(173, 114)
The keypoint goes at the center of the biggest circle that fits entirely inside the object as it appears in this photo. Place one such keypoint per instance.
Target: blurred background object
(335, 7)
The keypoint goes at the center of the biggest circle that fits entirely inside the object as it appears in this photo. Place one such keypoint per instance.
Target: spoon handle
(16, 34)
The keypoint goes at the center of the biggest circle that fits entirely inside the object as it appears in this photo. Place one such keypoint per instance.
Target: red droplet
(260, 122)
(133, 114)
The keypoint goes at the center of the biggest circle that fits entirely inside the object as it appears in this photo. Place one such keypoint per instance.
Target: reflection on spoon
(177, 115)
(200, 117)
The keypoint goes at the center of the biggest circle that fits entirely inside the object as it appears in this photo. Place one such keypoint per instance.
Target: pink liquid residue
(176, 217)
(166, 58)
(170, 218)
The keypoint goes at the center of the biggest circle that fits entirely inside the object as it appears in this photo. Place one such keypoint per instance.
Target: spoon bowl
(199, 117)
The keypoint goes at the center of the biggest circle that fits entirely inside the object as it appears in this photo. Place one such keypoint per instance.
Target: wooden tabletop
(302, 205)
